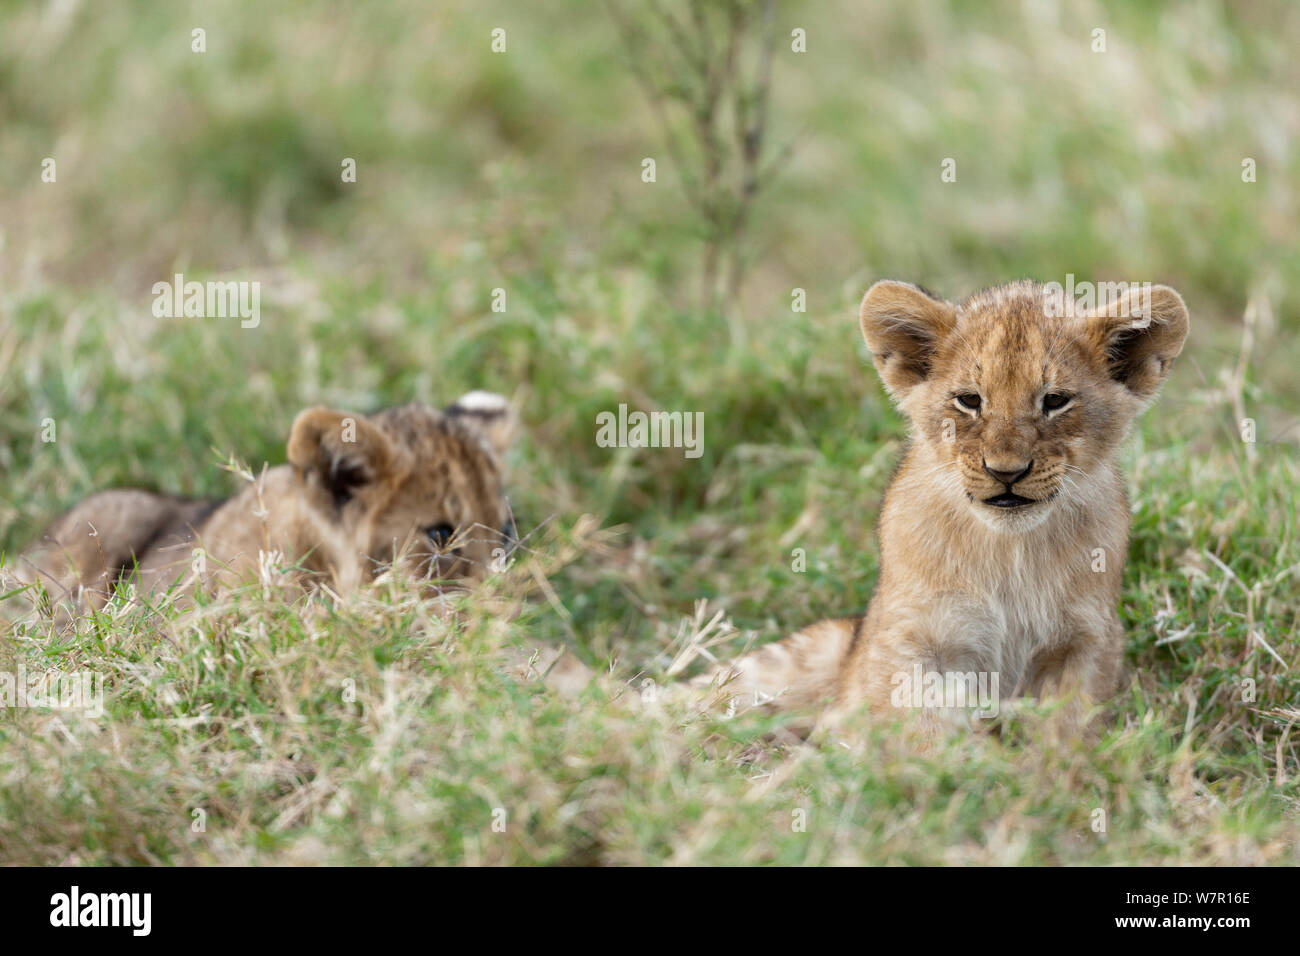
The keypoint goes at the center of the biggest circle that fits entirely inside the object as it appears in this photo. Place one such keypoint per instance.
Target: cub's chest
(1008, 614)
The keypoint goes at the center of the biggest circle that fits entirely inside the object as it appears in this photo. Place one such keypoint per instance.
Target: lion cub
(1004, 531)
(358, 492)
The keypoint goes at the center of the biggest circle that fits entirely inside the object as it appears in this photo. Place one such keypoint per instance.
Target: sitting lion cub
(1004, 532)
(357, 492)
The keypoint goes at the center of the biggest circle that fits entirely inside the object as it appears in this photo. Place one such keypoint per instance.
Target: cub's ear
(903, 325)
(1141, 333)
(340, 451)
(488, 417)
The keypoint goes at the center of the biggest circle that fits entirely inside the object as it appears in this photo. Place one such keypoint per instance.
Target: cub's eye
(969, 401)
(1055, 400)
(440, 534)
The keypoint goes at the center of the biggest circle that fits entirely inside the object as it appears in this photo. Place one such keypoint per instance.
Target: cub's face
(1017, 397)
(411, 483)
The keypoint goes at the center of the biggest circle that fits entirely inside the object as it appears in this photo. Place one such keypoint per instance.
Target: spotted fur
(358, 491)
(1027, 590)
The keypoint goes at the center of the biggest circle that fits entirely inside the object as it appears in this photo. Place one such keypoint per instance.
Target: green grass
(521, 172)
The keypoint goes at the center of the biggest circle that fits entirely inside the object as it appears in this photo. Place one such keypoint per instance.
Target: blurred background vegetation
(522, 170)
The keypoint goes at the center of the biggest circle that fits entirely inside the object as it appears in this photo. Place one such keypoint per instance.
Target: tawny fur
(358, 491)
(1028, 593)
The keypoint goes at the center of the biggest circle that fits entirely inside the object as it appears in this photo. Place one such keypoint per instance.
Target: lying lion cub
(1004, 532)
(357, 492)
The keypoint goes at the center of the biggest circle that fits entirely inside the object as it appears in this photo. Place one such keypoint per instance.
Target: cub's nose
(1008, 475)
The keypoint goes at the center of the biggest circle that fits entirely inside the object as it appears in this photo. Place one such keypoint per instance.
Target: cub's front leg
(933, 678)
(1082, 669)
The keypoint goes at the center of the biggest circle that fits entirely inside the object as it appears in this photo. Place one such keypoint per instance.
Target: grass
(380, 728)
